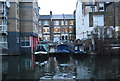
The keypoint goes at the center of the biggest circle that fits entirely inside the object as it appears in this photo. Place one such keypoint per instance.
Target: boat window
(40, 48)
(46, 47)
(76, 47)
(81, 48)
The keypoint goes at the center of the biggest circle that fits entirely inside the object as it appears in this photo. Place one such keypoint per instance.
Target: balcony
(3, 29)
(3, 12)
(2, 16)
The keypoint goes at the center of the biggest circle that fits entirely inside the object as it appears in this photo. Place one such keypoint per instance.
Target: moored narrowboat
(42, 52)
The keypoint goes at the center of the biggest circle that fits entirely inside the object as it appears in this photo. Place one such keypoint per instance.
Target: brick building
(56, 26)
(19, 26)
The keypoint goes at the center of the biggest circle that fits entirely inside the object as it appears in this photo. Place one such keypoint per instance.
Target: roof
(44, 17)
(66, 16)
(63, 16)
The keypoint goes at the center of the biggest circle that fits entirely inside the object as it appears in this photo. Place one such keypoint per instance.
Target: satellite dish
(8, 4)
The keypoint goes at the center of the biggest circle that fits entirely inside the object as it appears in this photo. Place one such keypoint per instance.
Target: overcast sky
(57, 6)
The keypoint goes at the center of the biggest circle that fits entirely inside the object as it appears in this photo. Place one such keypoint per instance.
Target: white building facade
(83, 28)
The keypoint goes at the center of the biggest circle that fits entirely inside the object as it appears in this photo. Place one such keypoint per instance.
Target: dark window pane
(23, 43)
(27, 43)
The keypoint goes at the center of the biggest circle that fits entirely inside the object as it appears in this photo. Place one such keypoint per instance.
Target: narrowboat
(42, 52)
(79, 50)
(62, 50)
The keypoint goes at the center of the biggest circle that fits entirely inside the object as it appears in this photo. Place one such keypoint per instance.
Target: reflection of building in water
(52, 65)
(26, 64)
(26, 70)
(84, 68)
(10, 68)
(58, 71)
(73, 65)
(97, 68)
(67, 68)
(4, 68)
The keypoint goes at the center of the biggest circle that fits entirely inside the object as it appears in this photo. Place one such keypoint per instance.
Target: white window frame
(45, 29)
(71, 22)
(3, 26)
(46, 22)
(101, 5)
(66, 22)
(98, 20)
(56, 22)
(25, 41)
(57, 27)
(47, 37)
(57, 36)
(2, 42)
(69, 29)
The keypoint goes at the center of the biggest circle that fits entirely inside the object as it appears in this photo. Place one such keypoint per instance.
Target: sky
(57, 6)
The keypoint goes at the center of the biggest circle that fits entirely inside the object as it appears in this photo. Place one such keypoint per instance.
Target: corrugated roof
(66, 16)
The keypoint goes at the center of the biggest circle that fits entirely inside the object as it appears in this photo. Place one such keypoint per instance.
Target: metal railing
(3, 28)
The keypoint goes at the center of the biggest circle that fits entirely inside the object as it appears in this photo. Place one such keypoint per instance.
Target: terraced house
(19, 23)
(56, 26)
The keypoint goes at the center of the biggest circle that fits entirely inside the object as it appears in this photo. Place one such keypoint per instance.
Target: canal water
(87, 67)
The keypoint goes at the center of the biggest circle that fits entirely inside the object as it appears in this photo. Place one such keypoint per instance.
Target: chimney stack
(50, 12)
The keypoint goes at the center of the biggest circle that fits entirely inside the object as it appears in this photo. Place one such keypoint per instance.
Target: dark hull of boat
(52, 54)
(59, 54)
(41, 57)
(62, 55)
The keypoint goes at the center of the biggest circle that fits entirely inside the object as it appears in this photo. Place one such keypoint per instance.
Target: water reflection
(91, 67)
(10, 67)
(17, 67)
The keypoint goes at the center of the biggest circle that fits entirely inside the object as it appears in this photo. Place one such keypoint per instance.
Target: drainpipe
(20, 32)
(74, 25)
(64, 25)
(51, 27)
